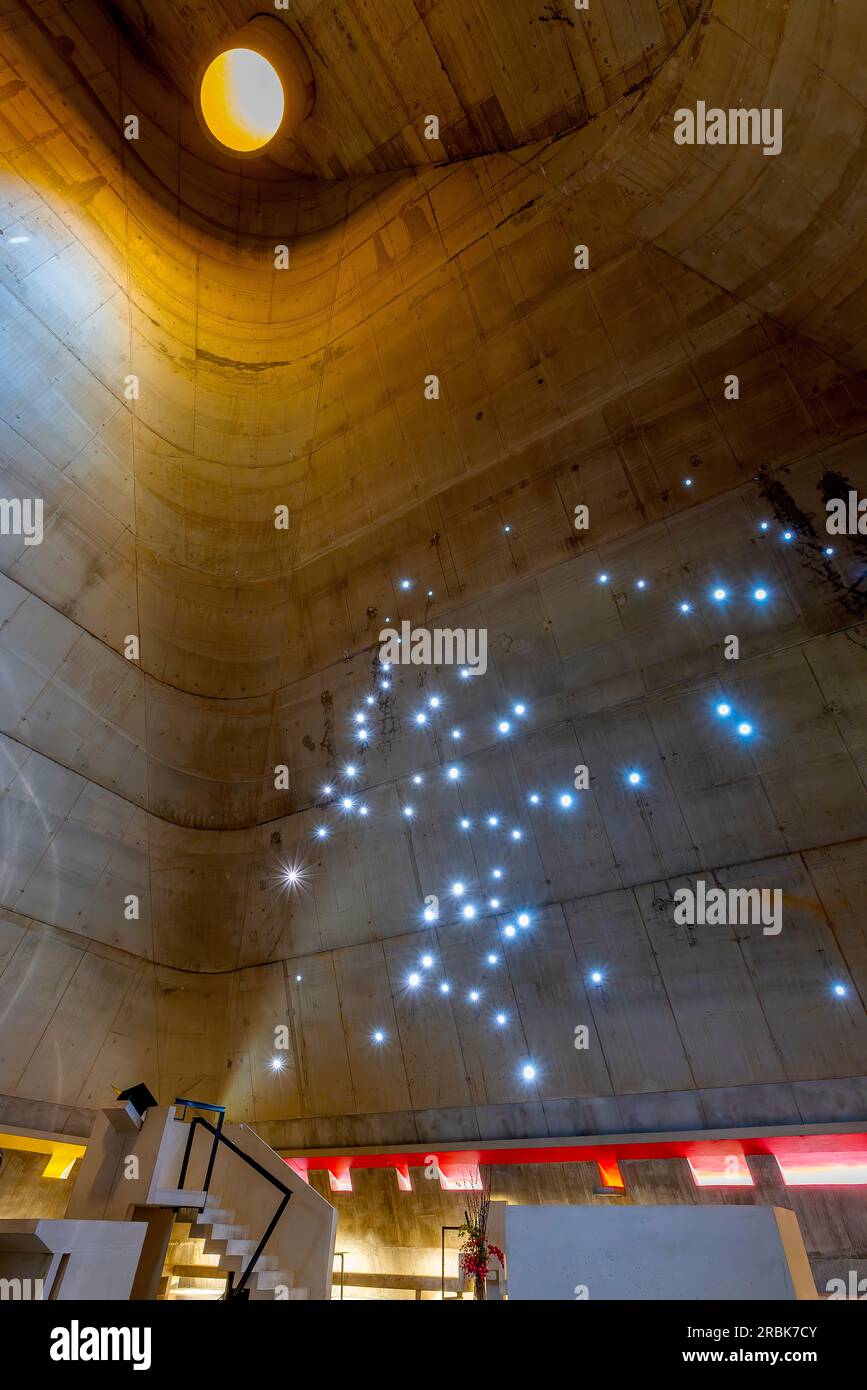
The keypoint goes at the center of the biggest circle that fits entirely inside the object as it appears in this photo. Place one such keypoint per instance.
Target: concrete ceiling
(304, 388)
(497, 76)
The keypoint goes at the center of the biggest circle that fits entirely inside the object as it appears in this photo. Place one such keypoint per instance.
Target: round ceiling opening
(241, 100)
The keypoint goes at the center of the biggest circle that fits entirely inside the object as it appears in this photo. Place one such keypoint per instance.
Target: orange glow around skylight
(242, 100)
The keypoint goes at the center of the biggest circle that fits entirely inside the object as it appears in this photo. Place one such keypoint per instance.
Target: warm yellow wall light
(242, 99)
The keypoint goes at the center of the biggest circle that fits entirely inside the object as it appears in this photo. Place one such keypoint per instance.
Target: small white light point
(454, 774)
(641, 584)
(723, 710)
(760, 595)
(509, 930)
(421, 717)
(596, 977)
(686, 608)
(602, 579)
(763, 525)
(322, 832)
(634, 779)
(474, 996)
(414, 980)
(445, 987)
(278, 1063)
(434, 701)
(523, 919)
(406, 583)
(493, 820)
(466, 824)
(457, 889)
(745, 729)
(456, 733)
(417, 779)
(501, 1018)
(409, 811)
(497, 873)
(520, 710)
(528, 1073)
(719, 594)
(517, 834)
(493, 904)
(504, 726)
(492, 958)
(565, 800)
(427, 962)
(327, 790)
(840, 991)
(788, 535)
(469, 912)
(829, 550)
(350, 770)
(534, 798)
(378, 1037)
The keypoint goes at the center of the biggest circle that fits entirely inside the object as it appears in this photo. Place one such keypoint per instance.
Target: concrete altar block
(64, 1259)
(680, 1252)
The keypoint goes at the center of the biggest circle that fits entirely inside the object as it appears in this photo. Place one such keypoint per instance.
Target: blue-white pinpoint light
(465, 824)
(602, 579)
(523, 919)
(465, 673)
(434, 701)
(507, 529)
(454, 773)
(509, 929)
(361, 733)
(360, 718)
(493, 821)
(370, 700)
(565, 800)
(421, 717)
(350, 770)
(718, 595)
(788, 535)
(596, 977)
(840, 991)
(385, 685)
(501, 1018)
(634, 779)
(685, 607)
(427, 962)
(458, 889)
(534, 798)
(417, 779)
(520, 709)
(760, 595)
(517, 834)
(504, 726)
(378, 1036)
(430, 914)
(347, 803)
(763, 525)
(327, 790)
(745, 729)
(445, 987)
(409, 811)
(829, 550)
(474, 996)
(723, 710)
(414, 980)
(641, 584)
(469, 912)
(687, 482)
(497, 873)
(528, 1072)
(322, 832)
(362, 810)
(456, 733)
(494, 903)
(492, 958)
(406, 583)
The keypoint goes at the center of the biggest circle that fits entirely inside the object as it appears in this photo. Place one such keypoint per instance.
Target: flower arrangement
(476, 1251)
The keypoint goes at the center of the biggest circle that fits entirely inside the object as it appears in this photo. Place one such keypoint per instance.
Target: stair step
(178, 1197)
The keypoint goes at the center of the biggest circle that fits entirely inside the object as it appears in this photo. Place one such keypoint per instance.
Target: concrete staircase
(206, 1245)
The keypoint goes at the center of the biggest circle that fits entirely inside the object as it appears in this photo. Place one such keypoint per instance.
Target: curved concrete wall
(304, 387)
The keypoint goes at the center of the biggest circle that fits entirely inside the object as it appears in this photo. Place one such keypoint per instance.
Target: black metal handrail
(233, 1290)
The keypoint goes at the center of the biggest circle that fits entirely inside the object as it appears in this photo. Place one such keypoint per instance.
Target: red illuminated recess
(805, 1160)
